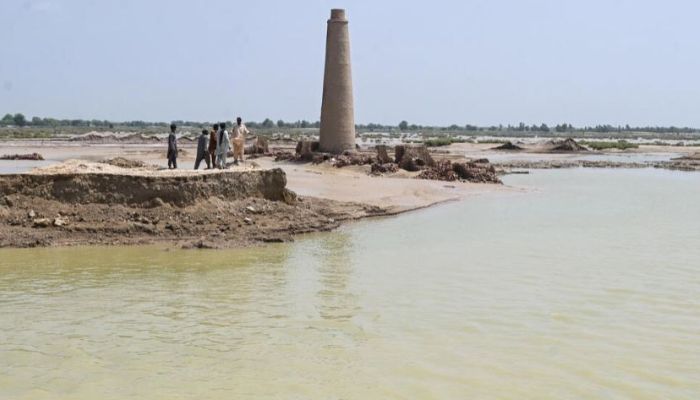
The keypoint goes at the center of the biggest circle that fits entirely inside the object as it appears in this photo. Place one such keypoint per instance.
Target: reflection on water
(336, 302)
(585, 287)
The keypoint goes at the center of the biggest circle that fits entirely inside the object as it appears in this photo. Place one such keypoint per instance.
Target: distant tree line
(522, 127)
(20, 120)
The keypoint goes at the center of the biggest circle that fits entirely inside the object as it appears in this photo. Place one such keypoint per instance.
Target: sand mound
(567, 146)
(122, 162)
(508, 146)
(87, 167)
(117, 166)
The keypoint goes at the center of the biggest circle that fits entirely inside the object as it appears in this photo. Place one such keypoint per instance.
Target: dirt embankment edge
(217, 210)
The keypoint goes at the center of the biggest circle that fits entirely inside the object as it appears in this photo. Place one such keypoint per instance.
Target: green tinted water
(588, 286)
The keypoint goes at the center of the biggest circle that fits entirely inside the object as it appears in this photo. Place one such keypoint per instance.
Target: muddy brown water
(586, 286)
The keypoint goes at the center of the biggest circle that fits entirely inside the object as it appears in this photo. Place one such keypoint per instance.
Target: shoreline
(40, 231)
(85, 203)
(207, 213)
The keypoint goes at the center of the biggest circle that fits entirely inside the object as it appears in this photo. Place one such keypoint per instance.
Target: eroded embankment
(216, 209)
(133, 189)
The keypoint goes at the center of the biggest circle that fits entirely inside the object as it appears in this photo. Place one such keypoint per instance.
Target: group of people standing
(213, 146)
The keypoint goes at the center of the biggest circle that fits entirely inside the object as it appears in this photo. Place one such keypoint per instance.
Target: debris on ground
(442, 171)
(382, 154)
(259, 146)
(58, 221)
(124, 162)
(305, 149)
(348, 158)
(413, 157)
(476, 171)
(378, 169)
(41, 223)
(284, 156)
(29, 157)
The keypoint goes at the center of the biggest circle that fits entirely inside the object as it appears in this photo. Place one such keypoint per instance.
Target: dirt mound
(508, 146)
(97, 203)
(122, 162)
(30, 157)
(567, 146)
(210, 223)
(379, 169)
(147, 190)
(86, 167)
(471, 171)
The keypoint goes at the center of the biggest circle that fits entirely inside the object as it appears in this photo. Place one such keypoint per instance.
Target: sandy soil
(397, 193)
(81, 202)
(211, 223)
(326, 196)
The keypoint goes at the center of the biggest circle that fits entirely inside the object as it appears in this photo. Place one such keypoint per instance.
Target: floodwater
(21, 166)
(585, 287)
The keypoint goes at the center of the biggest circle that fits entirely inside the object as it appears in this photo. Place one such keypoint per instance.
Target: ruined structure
(337, 110)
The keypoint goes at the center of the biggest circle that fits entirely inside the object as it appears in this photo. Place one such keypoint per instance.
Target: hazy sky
(429, 62)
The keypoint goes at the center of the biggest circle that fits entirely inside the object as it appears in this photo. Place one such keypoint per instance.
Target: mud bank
(209, 210)
(134, 189)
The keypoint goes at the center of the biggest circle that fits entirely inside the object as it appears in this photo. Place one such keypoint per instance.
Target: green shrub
(620, 145)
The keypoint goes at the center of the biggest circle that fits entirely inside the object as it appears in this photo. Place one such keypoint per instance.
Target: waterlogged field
(586, 286)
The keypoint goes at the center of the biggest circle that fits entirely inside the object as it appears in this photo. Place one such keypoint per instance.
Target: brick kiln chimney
(337, 110)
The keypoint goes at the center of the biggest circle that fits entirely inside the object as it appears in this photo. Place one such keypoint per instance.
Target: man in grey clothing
(223, 145)
(202, 149)
(172, 148)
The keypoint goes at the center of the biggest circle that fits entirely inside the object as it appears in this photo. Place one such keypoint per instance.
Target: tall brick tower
(337, 110)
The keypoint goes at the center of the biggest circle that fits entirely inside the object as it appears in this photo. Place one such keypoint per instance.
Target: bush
(620, 145)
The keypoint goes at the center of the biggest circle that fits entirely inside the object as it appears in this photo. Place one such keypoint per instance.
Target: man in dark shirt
(202, 151)
(212, 144)
(172, 148)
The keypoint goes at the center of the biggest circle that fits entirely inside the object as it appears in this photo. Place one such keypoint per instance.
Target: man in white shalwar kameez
(223, 145)
(238, 136)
